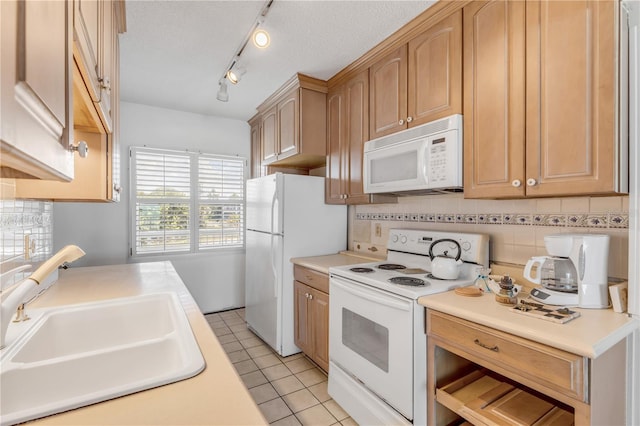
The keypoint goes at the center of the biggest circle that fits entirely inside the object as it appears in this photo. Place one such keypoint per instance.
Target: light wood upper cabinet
(256, 154)
(289, 124)
(293, 122)
(571, 97)
(36, 120)
(93, 51)
(420, 81)
(435, 72)
(336, 148)
(97, 177)
(548, 129)
(347, 131)
(269, 130)
(494, 98)
(388, 93)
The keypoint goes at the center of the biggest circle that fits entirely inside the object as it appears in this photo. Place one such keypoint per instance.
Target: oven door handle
(388, 299)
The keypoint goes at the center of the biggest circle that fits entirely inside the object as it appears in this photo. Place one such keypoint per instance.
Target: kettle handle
(538, 260)
(431, 256)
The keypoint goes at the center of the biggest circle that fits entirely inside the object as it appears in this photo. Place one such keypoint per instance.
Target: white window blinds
(185, 202)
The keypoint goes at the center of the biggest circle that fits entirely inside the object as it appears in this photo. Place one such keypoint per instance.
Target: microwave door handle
(424, 158)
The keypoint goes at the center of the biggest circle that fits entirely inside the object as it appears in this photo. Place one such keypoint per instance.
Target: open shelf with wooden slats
(483, 398)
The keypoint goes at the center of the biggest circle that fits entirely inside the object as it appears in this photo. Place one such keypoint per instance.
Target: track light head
(223, 94)
(235, 73)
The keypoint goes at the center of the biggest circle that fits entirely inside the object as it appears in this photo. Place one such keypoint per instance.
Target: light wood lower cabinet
(311, 312)
(489, 377)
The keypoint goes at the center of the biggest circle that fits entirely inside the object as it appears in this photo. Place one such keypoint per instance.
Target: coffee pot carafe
(575, 273)
(554, 273)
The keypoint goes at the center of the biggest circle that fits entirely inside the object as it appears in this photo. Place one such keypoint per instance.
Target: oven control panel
(473, 247)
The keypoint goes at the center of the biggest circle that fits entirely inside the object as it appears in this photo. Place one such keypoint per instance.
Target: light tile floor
(289, 390)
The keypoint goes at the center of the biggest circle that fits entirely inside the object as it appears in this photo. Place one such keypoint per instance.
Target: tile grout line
(223, 322)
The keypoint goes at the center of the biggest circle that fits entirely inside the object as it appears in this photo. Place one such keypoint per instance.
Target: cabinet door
(435, 72)
(36, 119)
(256, 156)
(319, 321)
(87, 28)
(301, 335)
(571, 95)
(270, 135)
(106, 64)
(494, 89)
(115, 183)
(288, 125)
(388, 94)
(356, 93)
(334, 182)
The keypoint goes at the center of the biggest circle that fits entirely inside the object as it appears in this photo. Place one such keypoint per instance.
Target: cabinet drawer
(550, 367)
(312, 278)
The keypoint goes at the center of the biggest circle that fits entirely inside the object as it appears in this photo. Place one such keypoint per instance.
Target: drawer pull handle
(491, 348)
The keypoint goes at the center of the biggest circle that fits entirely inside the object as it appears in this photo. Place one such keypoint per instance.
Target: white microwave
(423, 159)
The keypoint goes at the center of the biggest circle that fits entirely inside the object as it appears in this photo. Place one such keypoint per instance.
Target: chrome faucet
(15, 299)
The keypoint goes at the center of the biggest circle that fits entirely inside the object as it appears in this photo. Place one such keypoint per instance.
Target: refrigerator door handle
(273, 269)
(274, 200)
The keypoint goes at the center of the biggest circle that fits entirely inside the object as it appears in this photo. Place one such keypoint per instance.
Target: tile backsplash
(26, 233)
(516, 227)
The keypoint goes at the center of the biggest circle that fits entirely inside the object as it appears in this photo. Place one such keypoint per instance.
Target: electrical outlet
(378, 230)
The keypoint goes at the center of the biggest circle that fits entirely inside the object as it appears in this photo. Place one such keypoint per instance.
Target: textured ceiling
(174, 52)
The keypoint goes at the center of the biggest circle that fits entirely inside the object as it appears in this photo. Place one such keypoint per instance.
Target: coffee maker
(574, 273)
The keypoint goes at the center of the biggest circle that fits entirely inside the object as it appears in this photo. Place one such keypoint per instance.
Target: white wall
(216, 280)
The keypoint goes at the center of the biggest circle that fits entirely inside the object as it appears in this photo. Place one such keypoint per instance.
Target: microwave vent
(424, 130)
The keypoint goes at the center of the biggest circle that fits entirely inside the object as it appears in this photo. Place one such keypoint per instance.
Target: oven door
(371, 339)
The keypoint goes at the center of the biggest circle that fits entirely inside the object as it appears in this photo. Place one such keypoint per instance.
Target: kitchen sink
(78, 355)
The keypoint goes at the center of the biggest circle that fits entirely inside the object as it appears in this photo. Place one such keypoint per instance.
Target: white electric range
(377, 342)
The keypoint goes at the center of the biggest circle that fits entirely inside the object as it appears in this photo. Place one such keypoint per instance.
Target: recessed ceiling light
(261, 38)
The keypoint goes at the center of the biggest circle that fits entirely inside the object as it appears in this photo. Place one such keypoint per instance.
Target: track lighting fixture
(235, 71)
(222, 95)
(261, 38)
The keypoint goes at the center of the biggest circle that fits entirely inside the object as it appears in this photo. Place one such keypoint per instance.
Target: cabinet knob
(311, 297)
(306, 295)
(401, 122)
(409, 119)
(105, 84)
(117, 188)
(532, 182)
(81, 148)
(516, 183)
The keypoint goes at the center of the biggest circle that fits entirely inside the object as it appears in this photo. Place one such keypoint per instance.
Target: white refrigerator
(286, 217)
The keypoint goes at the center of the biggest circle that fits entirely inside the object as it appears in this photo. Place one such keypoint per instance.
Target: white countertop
(323, 263)
(590, 335)
(215, 396)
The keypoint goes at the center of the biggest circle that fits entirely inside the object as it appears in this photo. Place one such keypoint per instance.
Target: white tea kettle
(443, 266)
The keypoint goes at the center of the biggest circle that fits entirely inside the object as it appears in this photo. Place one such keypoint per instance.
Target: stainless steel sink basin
(82, 354)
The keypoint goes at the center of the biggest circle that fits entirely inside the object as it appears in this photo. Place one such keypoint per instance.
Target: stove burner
(391, 266)
(408, 281)
(361, 270)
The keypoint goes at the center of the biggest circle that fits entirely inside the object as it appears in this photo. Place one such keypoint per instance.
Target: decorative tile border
(596, 220)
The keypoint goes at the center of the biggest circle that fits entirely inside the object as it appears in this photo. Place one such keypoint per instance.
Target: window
(185, 202)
